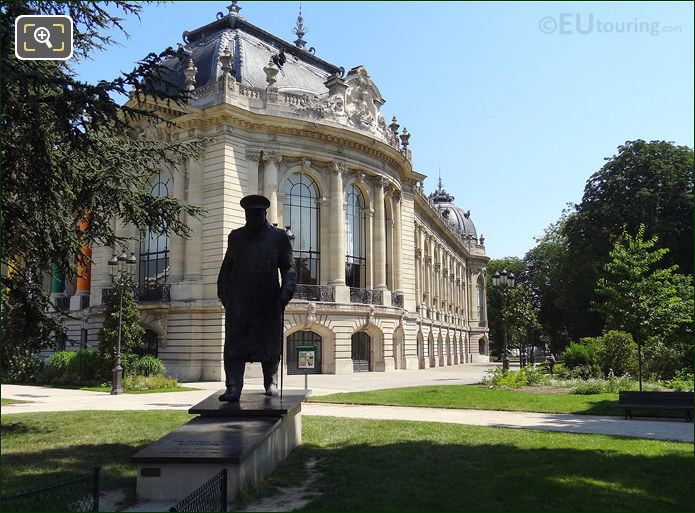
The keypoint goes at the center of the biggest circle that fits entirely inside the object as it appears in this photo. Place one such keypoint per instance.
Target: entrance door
(360, 352)
(303, 338)
(150, 344)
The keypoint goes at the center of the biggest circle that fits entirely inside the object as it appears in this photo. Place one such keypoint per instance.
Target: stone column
(337, 224)
(369, 238)
(253, 161)
(192, 285)
(397, 238)
(473, 313)
(325, 238)
(178, 244)
(379, 236)
(270, 183)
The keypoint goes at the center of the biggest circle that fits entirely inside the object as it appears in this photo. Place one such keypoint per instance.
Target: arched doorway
(440, 350)
(454, 347)
(150, 344)
(303, 338)
(361, 352)
(420, 350)
(449, 360)
(430, 349)
(398, 349)
(481, 346)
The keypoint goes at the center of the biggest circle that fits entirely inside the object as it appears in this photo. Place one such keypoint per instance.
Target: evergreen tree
(71, 153)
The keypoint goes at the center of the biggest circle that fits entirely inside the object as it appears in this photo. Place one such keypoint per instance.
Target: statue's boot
(270, 379)
(231, 395)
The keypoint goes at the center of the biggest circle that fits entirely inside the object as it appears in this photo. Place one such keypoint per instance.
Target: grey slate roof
(252, 48)
(458, 219)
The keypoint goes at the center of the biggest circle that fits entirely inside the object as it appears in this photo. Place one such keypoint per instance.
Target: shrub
(148, 382)
(615, 384)
(147, 366)
(588, 388)
(81, 367)
(21, 368)
(504, 378)
(581, 372)
(581, 353)
(85, 367)
(683, 381)
(617, 352)
(57, 369)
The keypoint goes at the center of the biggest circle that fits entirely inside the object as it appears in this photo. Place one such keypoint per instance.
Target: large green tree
(68, 153)
(638, 296)
(548, 269)
(645, 183)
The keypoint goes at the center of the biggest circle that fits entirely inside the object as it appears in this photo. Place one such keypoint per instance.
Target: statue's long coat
(250, 292)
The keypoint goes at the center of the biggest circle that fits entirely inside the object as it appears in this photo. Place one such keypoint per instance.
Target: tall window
(154, 248)
(355, 261)
(301, 214)
(479, 291)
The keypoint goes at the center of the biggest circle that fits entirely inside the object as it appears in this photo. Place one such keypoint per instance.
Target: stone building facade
(389, 278)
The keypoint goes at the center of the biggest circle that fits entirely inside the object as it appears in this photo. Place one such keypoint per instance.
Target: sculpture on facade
(253, 298)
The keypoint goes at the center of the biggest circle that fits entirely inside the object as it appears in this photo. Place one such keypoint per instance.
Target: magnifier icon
(42, 36)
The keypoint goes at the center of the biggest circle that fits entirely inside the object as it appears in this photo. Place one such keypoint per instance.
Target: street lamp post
(507, 281)
(120, 271)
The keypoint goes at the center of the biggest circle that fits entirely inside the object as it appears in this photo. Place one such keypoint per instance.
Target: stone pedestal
(249, 439)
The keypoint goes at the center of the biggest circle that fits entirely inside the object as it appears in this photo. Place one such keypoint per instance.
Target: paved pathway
(659, 429)
(60, 399)
(56, 399)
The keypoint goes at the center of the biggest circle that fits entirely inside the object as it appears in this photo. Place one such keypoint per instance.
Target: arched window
(301, 214)
(355, 261)
(154, 249)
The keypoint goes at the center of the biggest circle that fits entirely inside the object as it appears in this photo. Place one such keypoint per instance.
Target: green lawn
(7, 402)
(107, 388)
(481, 398)
(368, 465)
(45, 448)
(384, 465)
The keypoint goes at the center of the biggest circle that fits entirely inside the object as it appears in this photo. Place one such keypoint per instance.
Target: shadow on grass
(428, 476)
(26, 471)
(21, 428)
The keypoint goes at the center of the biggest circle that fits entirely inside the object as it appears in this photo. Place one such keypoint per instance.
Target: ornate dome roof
(251, 49)
(458, 219)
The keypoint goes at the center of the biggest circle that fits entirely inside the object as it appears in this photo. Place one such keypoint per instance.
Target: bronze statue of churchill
(253, 298)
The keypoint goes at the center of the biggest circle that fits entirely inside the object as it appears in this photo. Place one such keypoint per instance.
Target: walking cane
(282, 351)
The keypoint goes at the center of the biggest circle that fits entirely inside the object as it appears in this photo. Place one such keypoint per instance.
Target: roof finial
(234, 8)
(440, 178)
(299, 30)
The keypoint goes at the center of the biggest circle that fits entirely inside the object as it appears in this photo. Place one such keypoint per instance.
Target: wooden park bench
(675, 401)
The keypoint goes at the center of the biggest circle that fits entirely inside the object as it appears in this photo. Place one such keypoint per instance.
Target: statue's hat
(254, 201)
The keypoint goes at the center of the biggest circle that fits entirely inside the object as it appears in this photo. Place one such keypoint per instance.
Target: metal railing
(161, 292)
(81, 494)
(366, 296)
(314, 292)
(211, 496)
(397, 299)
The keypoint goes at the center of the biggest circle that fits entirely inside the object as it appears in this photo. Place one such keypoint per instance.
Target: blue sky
(518, 104)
